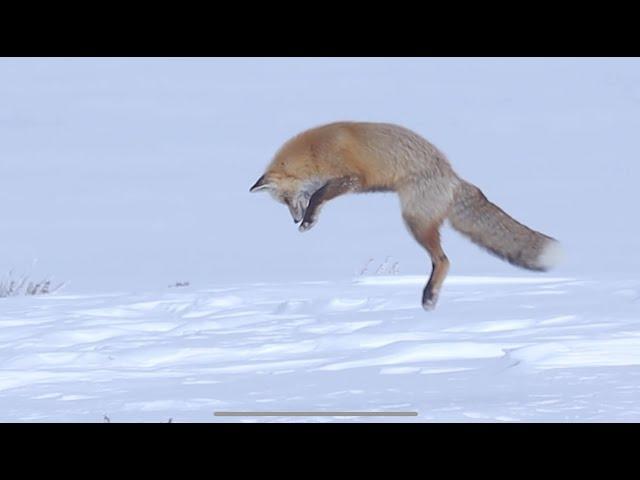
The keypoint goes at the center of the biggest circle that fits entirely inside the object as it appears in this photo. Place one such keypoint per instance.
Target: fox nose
(297, 218)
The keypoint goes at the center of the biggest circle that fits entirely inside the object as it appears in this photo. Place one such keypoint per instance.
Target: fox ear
(261, 184)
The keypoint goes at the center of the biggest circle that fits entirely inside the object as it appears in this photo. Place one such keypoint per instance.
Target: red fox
(331, 160)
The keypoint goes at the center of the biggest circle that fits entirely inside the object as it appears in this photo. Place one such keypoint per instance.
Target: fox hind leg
(428, 235)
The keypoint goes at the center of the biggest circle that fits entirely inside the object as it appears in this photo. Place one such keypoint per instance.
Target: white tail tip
(551, 255)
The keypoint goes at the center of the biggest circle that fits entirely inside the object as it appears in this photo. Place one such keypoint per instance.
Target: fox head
(293, 175)
(292, 192)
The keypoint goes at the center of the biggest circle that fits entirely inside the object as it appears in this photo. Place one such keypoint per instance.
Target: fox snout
(298, 206)
(294, 198)
(296, 214)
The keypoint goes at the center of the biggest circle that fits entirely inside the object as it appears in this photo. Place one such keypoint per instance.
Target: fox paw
(429, 305)
(306, 225)
(429, 301)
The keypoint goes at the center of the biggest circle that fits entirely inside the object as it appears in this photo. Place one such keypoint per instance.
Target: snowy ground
(532, 348)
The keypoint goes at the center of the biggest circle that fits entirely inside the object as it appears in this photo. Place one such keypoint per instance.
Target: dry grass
(23, 286)
(388, 267)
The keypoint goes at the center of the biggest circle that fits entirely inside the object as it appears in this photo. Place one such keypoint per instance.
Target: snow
(490, 352)
(125, 178)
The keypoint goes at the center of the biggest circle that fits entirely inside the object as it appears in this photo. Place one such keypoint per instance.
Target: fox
(325, 162)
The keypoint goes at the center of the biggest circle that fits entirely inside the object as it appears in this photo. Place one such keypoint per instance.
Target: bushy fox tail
(490, 227)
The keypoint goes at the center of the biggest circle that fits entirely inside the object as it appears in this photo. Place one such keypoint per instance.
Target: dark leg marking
(328, 191)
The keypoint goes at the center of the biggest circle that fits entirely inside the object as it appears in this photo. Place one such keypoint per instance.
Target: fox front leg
(329, 190)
